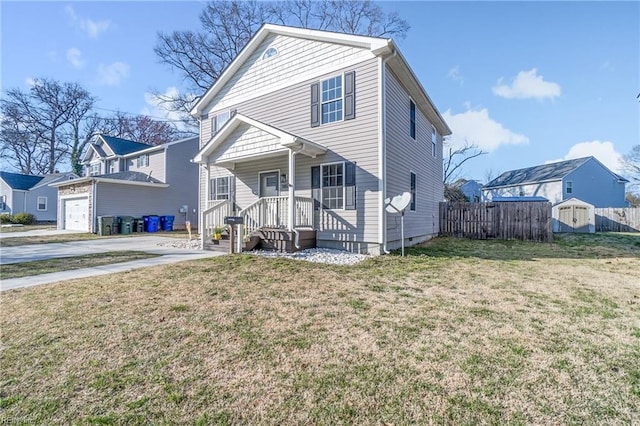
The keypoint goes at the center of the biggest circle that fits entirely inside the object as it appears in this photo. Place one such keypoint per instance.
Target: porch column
(292, 189)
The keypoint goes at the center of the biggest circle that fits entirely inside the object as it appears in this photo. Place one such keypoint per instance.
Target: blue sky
(529, 82)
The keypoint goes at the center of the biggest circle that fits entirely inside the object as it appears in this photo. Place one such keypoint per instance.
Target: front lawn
(458, 332)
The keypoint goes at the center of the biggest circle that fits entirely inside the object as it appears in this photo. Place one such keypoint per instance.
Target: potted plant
(217, 233)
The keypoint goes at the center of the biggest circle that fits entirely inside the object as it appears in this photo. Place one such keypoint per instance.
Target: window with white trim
(94, 169)
(331, 99)
(143, 160)
(42, 204)
(112, 166)
(434, 142)
(412, 119)
(333, 186)
(413, 188)
(219, 188)
(569, 189)
(270, 52)
(217, 121)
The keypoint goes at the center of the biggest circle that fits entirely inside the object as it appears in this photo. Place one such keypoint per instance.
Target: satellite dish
(398, 204)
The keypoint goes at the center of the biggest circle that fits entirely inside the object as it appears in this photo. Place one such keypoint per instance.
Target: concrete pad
(148, 244)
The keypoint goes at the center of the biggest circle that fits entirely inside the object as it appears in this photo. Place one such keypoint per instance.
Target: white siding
(405, 155)
(353, 140)
(246, 141)
(552, 191)
(295, 57)
(155, 167)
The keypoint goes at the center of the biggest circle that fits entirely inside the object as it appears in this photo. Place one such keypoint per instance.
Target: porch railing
(214, 216)
(273, 212)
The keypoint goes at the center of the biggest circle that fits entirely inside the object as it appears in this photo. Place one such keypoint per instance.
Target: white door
(76, 213)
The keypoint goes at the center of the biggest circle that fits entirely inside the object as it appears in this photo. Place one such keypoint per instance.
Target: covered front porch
(270, 208)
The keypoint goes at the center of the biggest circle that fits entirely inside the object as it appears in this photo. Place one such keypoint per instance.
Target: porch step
(283, 240)
(217, 245)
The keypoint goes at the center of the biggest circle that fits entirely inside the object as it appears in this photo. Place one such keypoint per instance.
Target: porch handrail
(273, 212)
(214, 215)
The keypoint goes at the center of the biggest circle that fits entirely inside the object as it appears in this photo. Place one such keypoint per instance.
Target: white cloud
(454, 74)
(158, 108)
(527, 84)
(476, 127)
(603, 151)
(91, 27)
(30, 81)
(74, 56)
(113, 74)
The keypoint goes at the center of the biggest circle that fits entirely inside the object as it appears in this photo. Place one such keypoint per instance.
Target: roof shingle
(20, 181)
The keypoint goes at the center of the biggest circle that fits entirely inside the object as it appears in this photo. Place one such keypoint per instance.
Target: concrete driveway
(147, 244)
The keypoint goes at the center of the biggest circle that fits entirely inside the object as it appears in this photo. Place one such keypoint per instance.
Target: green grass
(457, 332)
(38, 267)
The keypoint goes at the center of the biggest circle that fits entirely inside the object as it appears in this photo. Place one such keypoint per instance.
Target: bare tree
(227, 25)
(631, 165)
(36, 123)
(456, 157)
(142, 128)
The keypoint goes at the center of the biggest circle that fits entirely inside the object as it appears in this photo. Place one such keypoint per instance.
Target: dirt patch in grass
(426, 339)
(38, 267)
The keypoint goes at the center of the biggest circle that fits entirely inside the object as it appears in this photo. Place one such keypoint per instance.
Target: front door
(269, 184)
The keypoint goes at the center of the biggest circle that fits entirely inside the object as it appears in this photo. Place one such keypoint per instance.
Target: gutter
(382, 153)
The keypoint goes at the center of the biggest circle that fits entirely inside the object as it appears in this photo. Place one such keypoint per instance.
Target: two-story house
(310, 131)
(31, 194)
(586, 179)
(127, 178)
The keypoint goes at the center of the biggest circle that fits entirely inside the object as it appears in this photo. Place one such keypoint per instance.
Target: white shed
(574, 215)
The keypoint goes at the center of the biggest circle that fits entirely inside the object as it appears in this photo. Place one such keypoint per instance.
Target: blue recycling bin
(166, 223)
(151, 223)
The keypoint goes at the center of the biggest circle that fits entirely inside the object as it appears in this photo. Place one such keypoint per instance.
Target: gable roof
(378, 46)
(55, 177)
(287, 140)
(121, 146)
(19, 181)
(543, 173)
(122, 178)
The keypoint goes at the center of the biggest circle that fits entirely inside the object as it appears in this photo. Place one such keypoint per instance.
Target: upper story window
(270, 52)
(143, 160)
(434, 142)
(3, 202)
(332, 100)
(42, 204)
(412, 119)
(112, 166)
(217, 121)
(569, 187)
(94, 169)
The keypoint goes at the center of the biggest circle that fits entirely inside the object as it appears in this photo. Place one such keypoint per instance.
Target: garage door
(76, 213)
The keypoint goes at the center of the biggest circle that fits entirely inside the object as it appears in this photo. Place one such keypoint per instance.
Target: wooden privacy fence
(613, 219)
(528, 221)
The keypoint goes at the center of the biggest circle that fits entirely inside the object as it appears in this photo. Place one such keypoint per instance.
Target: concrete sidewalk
(38, 233)
(78, 248)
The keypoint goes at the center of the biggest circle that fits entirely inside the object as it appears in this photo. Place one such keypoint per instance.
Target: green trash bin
(105, 225)
(126, 224)
(138, 224)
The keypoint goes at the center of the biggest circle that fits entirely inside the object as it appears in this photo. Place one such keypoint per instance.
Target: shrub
(5, 218)
(23, 218)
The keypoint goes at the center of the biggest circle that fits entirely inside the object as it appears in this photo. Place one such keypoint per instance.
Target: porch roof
(286, 140)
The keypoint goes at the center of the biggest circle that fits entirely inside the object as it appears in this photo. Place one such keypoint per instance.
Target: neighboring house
(31, 194)
(313, 130)
(472, 189)
(127, 178)
(584, 178)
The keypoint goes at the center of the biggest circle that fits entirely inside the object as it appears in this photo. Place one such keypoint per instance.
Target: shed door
(76, 213)
(565, 217)
(580, 219)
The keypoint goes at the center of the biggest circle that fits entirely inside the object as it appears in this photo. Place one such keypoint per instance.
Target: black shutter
(350, 186)
(315, 104)
(350, 95)
(315, 187)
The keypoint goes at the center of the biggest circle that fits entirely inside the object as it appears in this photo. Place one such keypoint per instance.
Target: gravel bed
(183, 244)
(318, 255)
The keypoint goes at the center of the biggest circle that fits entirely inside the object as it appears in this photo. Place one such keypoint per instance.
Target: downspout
(94, 185)
(382, 154)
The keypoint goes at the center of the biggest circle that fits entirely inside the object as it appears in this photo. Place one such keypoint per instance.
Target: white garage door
(76, 213)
